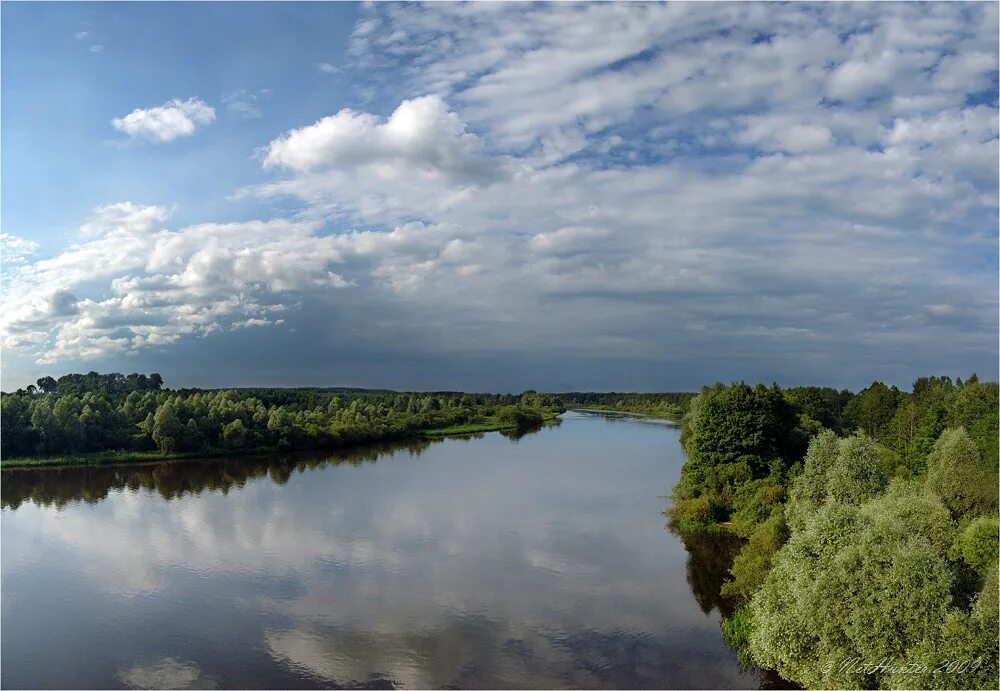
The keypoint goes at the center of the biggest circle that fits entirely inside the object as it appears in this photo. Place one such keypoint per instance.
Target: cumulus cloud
(175, 118)
(149, 286)
(420, 135)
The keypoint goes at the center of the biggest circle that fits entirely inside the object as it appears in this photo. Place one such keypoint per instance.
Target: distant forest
(102, 413)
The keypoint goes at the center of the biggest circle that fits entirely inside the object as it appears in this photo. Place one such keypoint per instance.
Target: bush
(956, 474)
(736, 632)
(977, 545)
(753, 563)
(867, 582)
(848, 471)
(755, 503)
(519, 418)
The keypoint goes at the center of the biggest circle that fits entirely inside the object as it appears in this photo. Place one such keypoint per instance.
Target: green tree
(755, 559)
(975, 407)
(857, 474)
(732, 435)
(977, 545)
(47, 384)
(167, 429)
(872, 409)
(234, 434)
(192, 435)
(866, 582)
(957, 475)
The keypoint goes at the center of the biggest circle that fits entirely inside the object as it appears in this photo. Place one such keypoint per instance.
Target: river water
(539, 562)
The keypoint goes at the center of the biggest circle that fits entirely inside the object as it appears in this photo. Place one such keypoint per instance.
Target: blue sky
(557, 196)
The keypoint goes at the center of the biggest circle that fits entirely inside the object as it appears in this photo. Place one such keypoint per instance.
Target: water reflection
(91, 484)
(710, 556)
(477, 563)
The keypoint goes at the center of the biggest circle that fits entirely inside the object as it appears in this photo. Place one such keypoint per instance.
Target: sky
(497, 197)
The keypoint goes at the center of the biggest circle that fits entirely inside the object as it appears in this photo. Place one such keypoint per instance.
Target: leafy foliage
(872, 561)
(112, 412)
(956, 474)
(866, 582)
(732, 435)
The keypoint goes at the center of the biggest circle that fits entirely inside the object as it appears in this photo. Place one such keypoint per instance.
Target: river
(538, 562)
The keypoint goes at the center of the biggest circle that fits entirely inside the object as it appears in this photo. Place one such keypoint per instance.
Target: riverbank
(659, 414)
(126, 457)
(490, 425)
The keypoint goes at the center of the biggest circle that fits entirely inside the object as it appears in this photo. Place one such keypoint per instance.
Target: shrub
(955, 473)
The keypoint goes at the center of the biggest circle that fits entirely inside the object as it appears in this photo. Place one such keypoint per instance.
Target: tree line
(865, 528)
(109, 412)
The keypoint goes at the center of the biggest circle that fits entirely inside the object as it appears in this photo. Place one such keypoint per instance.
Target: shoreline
(654, 416)
(105, 458)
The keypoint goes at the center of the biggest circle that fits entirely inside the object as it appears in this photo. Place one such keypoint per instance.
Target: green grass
(659, 413)
(467, 428)
(488, 425)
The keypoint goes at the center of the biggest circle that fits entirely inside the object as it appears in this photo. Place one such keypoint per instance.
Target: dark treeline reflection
(174, 479)
(709, 560)
(710, 556)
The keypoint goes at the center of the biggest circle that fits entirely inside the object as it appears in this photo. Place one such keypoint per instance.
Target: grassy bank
(672, 414)
(492, 424)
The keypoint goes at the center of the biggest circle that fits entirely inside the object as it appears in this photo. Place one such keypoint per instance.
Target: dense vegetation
(95, 413)
(671, 406)
(867, 525)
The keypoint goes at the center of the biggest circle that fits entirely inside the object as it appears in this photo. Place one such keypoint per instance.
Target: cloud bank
(702, 188)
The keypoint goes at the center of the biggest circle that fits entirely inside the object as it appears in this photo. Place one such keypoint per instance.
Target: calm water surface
(487, 562)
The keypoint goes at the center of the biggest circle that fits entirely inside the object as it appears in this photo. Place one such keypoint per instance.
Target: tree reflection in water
(174, 479)
(710, 557)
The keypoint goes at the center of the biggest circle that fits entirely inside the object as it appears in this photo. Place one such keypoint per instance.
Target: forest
(863, 527)
(126, 417)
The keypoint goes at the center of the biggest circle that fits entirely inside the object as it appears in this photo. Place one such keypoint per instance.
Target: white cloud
(421, 135)
(164, 123)
(150, 286)
(659, 182)
(14, 249)
(781, 133)
(327, 68)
